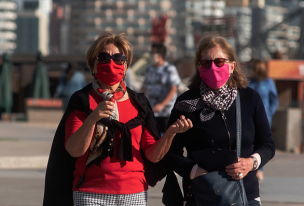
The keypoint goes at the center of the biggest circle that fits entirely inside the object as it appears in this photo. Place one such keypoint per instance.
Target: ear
(126, 68)
(94, 70)
(232, 65)
(197, 66)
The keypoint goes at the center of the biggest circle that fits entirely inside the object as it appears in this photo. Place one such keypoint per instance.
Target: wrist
(170, 133)
(91, 120)
(255, 163)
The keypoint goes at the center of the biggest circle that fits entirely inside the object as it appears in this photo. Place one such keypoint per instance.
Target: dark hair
(70, 70)
(278, 55)
(260, 71)
(160, 49)
(236, 79)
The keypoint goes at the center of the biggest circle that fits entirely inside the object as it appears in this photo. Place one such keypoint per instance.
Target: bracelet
(255, 163)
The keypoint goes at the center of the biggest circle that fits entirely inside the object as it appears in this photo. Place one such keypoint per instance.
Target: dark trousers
(250, 203)
(162, 123)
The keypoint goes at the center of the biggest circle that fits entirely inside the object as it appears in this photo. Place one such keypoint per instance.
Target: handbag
(217, 188)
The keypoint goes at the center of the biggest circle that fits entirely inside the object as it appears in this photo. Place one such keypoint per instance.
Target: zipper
(224, 119)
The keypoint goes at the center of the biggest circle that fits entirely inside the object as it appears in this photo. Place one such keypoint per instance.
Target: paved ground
(24, 149)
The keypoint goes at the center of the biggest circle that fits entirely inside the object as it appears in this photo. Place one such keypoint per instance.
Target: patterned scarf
(101, 129)
(209, 102)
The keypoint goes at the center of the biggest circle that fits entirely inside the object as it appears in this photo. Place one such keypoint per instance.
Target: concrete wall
(287, 129)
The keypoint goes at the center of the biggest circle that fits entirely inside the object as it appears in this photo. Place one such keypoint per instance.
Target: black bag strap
(238, 125)
(239, 141)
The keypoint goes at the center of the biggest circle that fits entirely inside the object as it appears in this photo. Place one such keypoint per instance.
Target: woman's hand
(181, 125)
(103, 110)
(157, 151)
(240, 169)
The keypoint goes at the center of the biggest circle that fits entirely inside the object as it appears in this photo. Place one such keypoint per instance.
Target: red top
(115, 176)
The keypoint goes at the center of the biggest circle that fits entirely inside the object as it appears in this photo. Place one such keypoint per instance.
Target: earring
(93, 73)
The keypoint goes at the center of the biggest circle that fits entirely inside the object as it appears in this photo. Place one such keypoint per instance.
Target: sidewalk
(24, 150)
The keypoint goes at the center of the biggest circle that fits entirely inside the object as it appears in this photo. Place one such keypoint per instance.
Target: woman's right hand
(103, 110)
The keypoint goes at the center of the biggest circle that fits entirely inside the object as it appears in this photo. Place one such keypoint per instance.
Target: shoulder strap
(238, 125)
(239, 141)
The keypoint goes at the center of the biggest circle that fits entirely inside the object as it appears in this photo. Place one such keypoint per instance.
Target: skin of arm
(157, 151)
(160, 106)
(79, 142)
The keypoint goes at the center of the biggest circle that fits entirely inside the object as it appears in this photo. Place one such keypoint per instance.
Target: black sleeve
(174, 159)
(263, 142)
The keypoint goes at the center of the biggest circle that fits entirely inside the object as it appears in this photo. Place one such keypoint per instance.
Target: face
(155, 57)
(110, 49)
(214, 53)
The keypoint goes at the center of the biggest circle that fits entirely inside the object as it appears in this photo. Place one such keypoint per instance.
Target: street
(24, 149)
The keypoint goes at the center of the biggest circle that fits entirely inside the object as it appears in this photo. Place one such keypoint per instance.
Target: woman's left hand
(240, 169)
(181, 125)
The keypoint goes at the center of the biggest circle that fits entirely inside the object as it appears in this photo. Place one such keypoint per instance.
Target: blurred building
(7, 26)
(283, 38)
(133, 17)
(243, 26)
(33, 17)
(56, 20)
(237, 3)
(201, 17)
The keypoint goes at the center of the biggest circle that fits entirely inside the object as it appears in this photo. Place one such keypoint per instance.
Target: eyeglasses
(219, 62)
(104, 58)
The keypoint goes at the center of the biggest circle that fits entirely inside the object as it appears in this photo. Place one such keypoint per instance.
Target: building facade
(132, 17)
(284, 38)
(33, 26)
(7, 26)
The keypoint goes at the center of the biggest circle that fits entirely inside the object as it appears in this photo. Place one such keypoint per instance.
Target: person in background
(129, 79)
(210, 103)
(71, 81)
(268, 92)
(160, 85)
(107, 143)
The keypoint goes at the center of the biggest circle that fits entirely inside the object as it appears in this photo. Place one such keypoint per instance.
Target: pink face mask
(215, 77)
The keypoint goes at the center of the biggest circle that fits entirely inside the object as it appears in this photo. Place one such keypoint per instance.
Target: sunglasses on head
(104, 58)
(219, 62)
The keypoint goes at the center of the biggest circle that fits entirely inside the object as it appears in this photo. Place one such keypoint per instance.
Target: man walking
(160, 85)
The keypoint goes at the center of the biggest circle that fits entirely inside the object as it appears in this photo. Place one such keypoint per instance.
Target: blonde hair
(236, 79)
(105, 38)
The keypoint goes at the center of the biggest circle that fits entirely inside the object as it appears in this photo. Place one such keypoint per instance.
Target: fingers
(238, 170)
(183, 124)
(103, 110)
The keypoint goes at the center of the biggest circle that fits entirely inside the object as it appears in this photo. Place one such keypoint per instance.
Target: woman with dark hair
(107, 144)
(268, 92)
(210, 103)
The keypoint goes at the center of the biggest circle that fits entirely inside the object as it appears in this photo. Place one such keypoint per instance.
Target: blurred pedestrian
(160, 85)
(129, 80)
(107, 142)
(71, 81)
(211, 161)
(268, 92)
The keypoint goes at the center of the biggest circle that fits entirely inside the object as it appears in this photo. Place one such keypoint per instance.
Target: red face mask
(109, 73)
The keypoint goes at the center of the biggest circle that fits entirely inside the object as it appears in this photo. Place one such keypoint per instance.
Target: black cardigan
(256, 138)
(59, 173)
